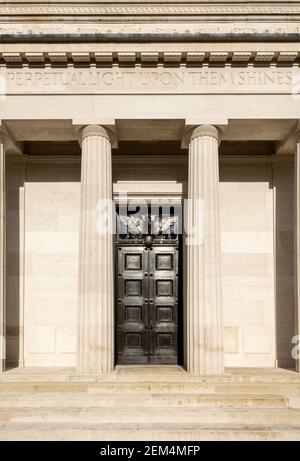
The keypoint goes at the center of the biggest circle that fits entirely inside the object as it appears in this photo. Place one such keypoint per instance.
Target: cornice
(150, 9)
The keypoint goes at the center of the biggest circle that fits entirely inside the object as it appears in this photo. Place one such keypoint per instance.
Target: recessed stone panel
(258, 339)
(231, 339)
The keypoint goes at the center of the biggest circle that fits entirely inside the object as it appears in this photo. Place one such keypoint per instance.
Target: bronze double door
(147, 304)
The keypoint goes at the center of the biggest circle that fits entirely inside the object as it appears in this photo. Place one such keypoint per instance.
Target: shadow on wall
(14, 285)
(283, 177)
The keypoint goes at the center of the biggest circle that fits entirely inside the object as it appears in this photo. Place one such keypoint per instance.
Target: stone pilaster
(295, 345)
(95, 335)
(205, 353)
(3, 139)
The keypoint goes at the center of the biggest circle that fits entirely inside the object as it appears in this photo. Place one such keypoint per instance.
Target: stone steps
(151, 404)
(119, 400)
(110, 415)
(153, 373)
(147, 432)
(258, 388)
(153, 387)
(107, 387)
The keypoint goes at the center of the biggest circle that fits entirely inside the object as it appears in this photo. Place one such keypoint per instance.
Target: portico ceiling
(149, 130)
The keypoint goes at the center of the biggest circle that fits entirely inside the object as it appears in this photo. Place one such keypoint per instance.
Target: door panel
(163, 294)
(132, 307)
(147, 304)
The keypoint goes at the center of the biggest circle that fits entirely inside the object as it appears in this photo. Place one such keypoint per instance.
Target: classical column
(295, 340)
(95, 336)
(205, 353)
(2, 253)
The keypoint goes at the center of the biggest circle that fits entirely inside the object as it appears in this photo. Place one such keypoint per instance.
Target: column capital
(94, 130)
(193, 130)
(205, 130)
(84, 130)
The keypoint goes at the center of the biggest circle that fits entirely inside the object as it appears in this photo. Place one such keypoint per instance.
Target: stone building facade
(187, 106)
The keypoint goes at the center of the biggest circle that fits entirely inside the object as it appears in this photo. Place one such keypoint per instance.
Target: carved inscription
(38, 30)
(139, 81)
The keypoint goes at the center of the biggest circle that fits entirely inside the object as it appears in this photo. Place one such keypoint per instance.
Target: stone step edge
(152, 391)
(294, 379)
(149, 383)
(133, 426)
(185, 395)
(150, 435)
(169, 400)
(156, 409)
(157, 415)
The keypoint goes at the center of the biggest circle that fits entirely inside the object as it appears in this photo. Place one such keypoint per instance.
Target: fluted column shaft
(95, 335)
(2, 254)
(204, 307)
(295, 341)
